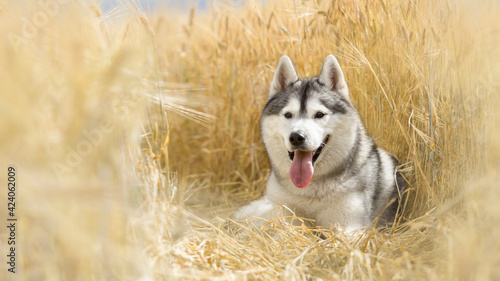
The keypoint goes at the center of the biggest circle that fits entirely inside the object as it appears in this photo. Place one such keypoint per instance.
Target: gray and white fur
(339, 176)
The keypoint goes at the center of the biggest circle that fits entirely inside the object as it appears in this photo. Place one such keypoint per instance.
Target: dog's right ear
(332, 77)
(284, 76)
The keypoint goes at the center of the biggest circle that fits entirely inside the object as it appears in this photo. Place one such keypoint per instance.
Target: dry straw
(116, 183)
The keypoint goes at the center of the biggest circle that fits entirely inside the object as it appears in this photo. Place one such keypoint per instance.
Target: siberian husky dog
(325, 166)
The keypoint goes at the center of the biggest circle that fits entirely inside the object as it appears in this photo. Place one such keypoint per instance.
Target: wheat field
(135, 137)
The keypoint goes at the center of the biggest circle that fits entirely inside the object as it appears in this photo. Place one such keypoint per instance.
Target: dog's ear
(284, 76)
(332, 77)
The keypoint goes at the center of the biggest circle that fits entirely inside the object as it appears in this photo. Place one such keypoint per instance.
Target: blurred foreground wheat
(136, 136)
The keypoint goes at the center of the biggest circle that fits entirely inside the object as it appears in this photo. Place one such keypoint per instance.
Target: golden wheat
(136, 136)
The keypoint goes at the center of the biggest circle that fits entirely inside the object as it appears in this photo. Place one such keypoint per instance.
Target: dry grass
(122, 177)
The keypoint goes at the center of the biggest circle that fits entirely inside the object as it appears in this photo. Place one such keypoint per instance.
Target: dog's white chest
(326, 204)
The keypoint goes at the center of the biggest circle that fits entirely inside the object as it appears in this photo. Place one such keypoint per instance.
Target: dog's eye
(288, 115)
(319, 115)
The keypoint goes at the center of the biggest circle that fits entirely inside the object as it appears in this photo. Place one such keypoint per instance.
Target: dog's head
(306, 123)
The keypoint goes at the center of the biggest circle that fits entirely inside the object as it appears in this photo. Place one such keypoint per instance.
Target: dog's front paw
(260, 208)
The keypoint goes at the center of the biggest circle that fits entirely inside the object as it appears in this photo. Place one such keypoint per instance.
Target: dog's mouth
(301, 170)
(317, 152)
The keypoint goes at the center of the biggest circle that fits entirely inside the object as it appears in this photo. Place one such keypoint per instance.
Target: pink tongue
(302, 169)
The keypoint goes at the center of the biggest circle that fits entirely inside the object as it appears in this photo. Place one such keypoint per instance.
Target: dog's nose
(297, 138)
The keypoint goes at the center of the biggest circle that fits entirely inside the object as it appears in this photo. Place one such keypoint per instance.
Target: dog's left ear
(332, 77)
(284, 76)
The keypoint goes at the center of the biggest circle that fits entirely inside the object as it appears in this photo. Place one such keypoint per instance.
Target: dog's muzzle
(299, 140)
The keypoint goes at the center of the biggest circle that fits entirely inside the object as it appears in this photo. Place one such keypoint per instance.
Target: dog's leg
(260, 208)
